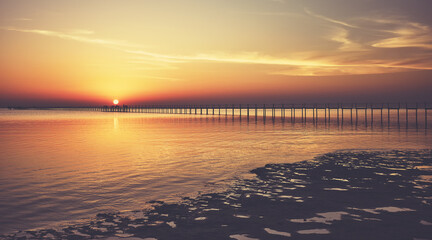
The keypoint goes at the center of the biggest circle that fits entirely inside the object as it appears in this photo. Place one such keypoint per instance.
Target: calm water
(61, 166)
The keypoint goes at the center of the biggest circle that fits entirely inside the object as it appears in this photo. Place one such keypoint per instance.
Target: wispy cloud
(245, 58)
(404, 34)
(76, 36)
(327, 19)
(242, 58)
(151, 64)
(334, 65)
(339, 70)
(81, 32)
(23, 19)
(352, 56)
(341, 36)
(290, 14)
(373, 45)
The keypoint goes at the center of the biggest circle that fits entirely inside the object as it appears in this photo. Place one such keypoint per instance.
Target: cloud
(151, 64)
(81, 32)
(77, 36)
(289, 14)
(341, 36)
(404, 34)
(243, 58)
(322, 66)
(351, 56)
(23, 19)
(327, 19)
(373, 45)
(335, 71)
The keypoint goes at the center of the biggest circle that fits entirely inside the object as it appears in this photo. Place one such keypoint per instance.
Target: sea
(63, 166)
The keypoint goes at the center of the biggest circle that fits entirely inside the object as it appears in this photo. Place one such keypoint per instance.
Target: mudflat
(339, 195)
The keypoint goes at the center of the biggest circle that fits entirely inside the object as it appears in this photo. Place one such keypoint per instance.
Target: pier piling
(390, 109)
(247, 111)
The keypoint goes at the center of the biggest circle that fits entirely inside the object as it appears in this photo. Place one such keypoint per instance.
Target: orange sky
(56, 53)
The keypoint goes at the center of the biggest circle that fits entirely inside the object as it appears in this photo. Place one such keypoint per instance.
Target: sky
(89, 52)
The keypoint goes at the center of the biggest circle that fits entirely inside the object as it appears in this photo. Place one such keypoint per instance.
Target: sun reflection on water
(78, 164)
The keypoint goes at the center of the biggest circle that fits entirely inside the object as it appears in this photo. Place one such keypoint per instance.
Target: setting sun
(116, 101)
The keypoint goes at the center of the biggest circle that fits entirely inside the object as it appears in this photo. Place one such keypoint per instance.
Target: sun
(115, 101)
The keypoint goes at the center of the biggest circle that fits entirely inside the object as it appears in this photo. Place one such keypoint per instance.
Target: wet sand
(340, 195)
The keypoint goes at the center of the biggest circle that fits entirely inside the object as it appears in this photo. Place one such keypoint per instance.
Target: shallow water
(62, 165)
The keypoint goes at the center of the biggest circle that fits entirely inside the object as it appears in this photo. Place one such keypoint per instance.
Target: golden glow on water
(67, 165)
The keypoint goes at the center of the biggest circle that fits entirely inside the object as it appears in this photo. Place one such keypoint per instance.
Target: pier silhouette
(354, 113)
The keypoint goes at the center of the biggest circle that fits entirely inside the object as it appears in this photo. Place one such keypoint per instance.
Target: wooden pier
(371, 113)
